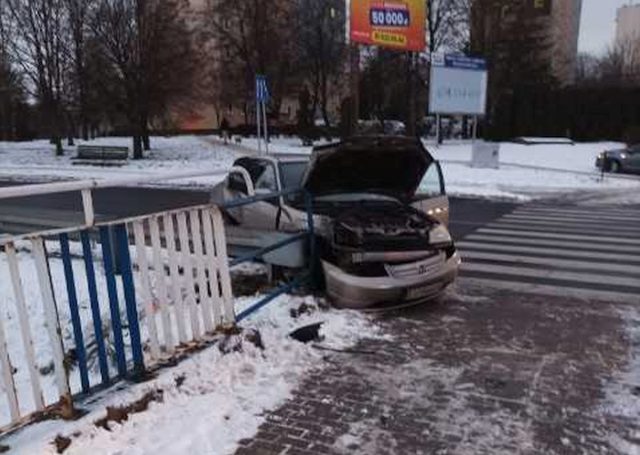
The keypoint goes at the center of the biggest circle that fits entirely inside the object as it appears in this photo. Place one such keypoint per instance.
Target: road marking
(553, 224)
(564, 245)
(592, 256)
(547, 235)
(550, 274)
(565, 263)
(551, 290)
(625, 214)
(563, 218)
(578, 230)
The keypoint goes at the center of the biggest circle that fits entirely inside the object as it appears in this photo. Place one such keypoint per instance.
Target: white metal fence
(158, 283)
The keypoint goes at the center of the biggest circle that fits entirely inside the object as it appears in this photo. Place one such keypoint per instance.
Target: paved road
(557, 249)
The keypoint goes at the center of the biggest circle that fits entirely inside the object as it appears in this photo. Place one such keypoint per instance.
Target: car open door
(431, 197)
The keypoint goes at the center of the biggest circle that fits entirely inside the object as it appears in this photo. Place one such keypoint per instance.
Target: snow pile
(216, 398)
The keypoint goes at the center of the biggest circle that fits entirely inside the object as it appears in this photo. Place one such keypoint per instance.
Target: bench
(102, 155)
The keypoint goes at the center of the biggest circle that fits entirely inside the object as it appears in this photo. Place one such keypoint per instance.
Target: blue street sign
(262, 89)
(460, 62)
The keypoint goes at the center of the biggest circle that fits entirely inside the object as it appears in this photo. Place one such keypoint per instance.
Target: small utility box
(485, 155)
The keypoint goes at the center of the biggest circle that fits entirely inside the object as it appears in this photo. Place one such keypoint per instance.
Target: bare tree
(322, 49)
(253, 37)
(148, 45)
(621, 63)
(38, 29)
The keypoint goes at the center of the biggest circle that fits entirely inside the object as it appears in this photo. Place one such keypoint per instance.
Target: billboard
(458, 85)
(398, 24)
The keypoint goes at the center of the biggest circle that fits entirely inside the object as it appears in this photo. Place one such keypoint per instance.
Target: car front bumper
(355, 292)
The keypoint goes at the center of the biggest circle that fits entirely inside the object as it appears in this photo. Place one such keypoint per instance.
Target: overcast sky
(599, 24)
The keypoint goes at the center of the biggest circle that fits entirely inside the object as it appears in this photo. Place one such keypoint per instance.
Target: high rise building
(628, 24)
(547, 30)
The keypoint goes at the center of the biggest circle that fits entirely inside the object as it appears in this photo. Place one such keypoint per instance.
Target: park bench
(101, 155)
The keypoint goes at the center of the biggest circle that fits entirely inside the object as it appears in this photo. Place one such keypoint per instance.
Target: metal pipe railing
(86, 187)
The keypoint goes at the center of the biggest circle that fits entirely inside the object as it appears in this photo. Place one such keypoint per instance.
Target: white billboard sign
(458, 85)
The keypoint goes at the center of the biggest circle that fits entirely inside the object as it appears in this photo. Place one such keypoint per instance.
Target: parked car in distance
(622, 160)
(381, 212)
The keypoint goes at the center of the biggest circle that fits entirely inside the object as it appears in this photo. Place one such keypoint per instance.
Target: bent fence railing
(306, 234)
(84, 307)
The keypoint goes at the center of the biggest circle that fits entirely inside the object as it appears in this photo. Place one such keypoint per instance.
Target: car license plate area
(420, 293)
(424, 267)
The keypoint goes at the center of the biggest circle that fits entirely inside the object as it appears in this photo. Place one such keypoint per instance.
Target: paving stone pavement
(484, 372)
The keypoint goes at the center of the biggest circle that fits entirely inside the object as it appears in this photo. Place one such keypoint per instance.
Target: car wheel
(614, 167)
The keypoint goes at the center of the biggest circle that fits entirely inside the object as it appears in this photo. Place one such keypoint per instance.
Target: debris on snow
(308, 333)
(119, 414)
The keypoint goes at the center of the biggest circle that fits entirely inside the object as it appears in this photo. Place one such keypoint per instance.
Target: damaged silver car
(381, 213)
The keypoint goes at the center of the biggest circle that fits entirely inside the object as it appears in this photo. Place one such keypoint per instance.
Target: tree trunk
(137, 147)
(58, 143)
(411, 95)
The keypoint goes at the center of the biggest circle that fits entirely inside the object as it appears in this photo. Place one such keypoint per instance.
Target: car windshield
(291, 174)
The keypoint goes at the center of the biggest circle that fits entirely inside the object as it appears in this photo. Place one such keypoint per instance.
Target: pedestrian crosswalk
(573, 251)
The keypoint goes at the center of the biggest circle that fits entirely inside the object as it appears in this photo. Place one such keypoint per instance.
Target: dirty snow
(623, 390)
(222, 399)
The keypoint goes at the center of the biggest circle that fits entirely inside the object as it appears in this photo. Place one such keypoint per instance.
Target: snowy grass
(197, 153)
(170, 154)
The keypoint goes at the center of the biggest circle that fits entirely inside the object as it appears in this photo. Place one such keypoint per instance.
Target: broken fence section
(114, 300)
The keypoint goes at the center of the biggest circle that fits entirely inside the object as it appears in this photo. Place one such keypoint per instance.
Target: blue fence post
(114, 304)
(122, 240)
(95, 306)
(75, 313)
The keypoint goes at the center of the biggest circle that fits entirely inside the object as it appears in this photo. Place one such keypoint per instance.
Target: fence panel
(165, 274)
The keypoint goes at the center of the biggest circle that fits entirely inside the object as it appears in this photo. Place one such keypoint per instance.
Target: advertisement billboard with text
(458, 85)
(398, 24)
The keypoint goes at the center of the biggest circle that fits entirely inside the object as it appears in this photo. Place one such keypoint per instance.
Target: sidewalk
(506, 373)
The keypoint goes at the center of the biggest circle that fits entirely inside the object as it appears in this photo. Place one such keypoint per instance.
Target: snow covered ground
(170, 155)
(527, 171)
(217, 398)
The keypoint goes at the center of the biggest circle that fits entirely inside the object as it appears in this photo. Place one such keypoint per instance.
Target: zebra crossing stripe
(578, 230)
(554, 290)
(551, 235)
(550, 274)
(555, 252)
(607, 267)
(565, 245)
(582, 253)
(579, 213)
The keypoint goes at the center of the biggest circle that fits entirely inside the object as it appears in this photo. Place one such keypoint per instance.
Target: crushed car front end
(387, 254)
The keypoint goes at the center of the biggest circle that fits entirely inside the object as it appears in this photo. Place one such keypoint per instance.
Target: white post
(51, 318)
(25, 328)
(437, 130)
(475, 128)
(87, 204)
(266, 128)
(258, 121)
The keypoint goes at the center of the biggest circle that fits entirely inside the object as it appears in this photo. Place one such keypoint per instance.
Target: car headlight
(440, 236)
(624, 156)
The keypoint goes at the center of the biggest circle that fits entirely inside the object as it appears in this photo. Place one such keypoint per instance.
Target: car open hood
(387, 165)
